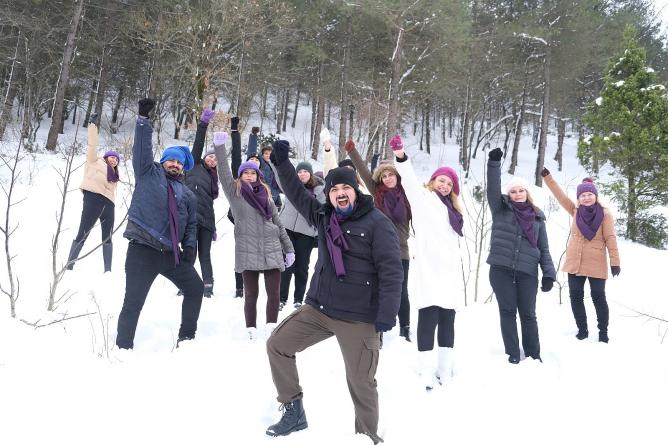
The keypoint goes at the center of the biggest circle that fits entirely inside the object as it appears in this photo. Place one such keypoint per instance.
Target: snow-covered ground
(66, 383)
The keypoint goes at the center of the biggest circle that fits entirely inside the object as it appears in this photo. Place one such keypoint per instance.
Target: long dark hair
(379, 197)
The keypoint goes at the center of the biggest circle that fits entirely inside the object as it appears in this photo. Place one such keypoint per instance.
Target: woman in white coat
(437, 223)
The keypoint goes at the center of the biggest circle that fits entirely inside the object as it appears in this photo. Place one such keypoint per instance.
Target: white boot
(252, 333)
(426, 369)
(268, 330)
(445, 370)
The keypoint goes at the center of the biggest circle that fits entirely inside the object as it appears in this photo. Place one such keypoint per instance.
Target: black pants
(428, 319)
(597, 286)
(142, 265)
(516, 292)
(239, 280)
(204, 240)
(96, 207)
(405, 306)
(303, 245)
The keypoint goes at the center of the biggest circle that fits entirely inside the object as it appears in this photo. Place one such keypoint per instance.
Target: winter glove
(615, 270)
(383, 327)
(396, 144)
(546, 284)
(207, 115)
(93, 119)
(496, 155)
(188, 255)
(544, 172)
(325, 136)
(350, 146)
(289, 259)
(255, 130)
(219, 138)
(146, 105)
(280, 152)
(234, 124)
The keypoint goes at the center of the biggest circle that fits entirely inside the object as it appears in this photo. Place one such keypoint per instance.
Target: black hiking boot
(239, 293)
(293, 419)
(581, 335)
(603, 336)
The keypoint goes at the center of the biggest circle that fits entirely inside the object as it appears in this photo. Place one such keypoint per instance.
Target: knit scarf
(525, 215)
(336, 242)
(392, 202)
(173, 218)
(112, 174)
(256, 195)
(589, 219)
(456, 218)
(213, 172)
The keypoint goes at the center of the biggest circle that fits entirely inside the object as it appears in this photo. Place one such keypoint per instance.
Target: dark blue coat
(370, 291)
(509, 247)
(148, 221)
(198, 181)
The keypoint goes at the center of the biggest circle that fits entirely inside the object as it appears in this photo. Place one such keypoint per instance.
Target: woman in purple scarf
(518, 245)
(592, 233)
(261, 242)
(99, 193)
(438, 285)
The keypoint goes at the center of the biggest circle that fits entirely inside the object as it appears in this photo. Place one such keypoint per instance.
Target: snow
(599, 101)
(619, 83)
(649, 70)
(67, 384)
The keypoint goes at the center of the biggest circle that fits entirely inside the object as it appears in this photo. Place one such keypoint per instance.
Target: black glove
(280, 152)
(546, 284)
(615, 270)
(255, 130)
(235, 123)
(93, 119)
(544, 172)
(383, 327)
(188, 255)
(496, 154)
(146, 105)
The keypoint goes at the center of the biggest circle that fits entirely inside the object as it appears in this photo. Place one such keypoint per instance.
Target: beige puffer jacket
(95, 169)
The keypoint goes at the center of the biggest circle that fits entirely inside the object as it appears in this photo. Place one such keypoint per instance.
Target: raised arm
(252, 142)
(142, 149)
(360, 165)
(224, 173)
(558, 193)
(200, 136)
(236, 147)
(412, 187)
(494, 196)
(91, 152)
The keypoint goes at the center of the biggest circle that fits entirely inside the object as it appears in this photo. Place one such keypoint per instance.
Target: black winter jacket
(198, 181)
(509, 247)
(371, 289)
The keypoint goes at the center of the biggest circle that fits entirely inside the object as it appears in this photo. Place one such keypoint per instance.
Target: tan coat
(95, 169)
(584, 257)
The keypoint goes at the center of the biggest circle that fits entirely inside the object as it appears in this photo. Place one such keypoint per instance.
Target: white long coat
(435, 277)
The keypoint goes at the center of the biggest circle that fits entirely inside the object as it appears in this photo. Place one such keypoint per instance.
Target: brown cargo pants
(359, 345)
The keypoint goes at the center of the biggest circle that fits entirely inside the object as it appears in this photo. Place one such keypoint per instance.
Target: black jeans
(96, 206)
(303, 245)
(597, 286)
(516, 292)
(428, 319)
(204, 240)
(142, 265)
(405, 306)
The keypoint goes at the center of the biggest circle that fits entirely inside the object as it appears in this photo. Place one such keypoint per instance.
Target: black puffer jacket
(509, 247)
(198, 181)
(371, 289)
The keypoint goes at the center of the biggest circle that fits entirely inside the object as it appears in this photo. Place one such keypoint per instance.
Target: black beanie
(341, 175)
(347, 163)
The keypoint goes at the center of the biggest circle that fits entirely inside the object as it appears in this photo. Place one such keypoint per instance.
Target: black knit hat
(341, 175)
(347, 163)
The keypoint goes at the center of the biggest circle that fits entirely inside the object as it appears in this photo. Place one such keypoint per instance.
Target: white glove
(219, 138)
(289, 259)
(325, 136)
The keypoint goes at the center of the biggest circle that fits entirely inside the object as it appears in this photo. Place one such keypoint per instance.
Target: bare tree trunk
(392, 123)
(422, 128)
(294, 115)
(415, 120)
(519, 122)
(545, 117)
(263, 112)
(286, 102)
(561, 134)
(102, 84)
(117, 105)
(343, 93)
(351, 117)
(464, 152)
(91, 100)
(427, 129)
(320, 114)
(12, 83)
(63, 79)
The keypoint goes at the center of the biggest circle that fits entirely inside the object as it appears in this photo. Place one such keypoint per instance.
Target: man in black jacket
(354, 293)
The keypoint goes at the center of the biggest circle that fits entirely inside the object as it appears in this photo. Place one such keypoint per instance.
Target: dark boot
(74, 254)
(208, 290)
(582, 334)
(294, 419)
(107, 252)
(603, 336)
(239, 293)
(405, 332)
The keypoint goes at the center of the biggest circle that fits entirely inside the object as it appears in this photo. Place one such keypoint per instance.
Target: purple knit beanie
(113, 153)
(587, 186)
(248, 165)
(450, 173)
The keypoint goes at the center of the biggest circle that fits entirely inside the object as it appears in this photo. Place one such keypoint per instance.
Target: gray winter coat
(260, 243)
(292, 219)
(509, 247)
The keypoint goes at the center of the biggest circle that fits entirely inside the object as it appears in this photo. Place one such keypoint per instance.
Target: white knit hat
(515, 181)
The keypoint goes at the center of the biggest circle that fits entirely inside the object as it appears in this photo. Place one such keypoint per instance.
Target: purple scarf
(336, 242)
(589, 219)
(456, 218)
(525, 215)
(213, 172)
(173, 218)
(394, 205)
(256, 195)
(112, 174)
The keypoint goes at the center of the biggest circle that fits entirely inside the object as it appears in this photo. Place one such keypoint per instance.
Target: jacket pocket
(352, 292)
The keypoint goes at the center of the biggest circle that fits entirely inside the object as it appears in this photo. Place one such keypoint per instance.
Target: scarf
(336, 242)
(589, 219)
(456, 218)
(173, 218)
(112, 174)
(256, 195)
(392, 202)
(213, 172)
(525, 215)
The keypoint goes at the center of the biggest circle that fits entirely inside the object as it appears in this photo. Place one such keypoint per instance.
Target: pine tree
(629, 130)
